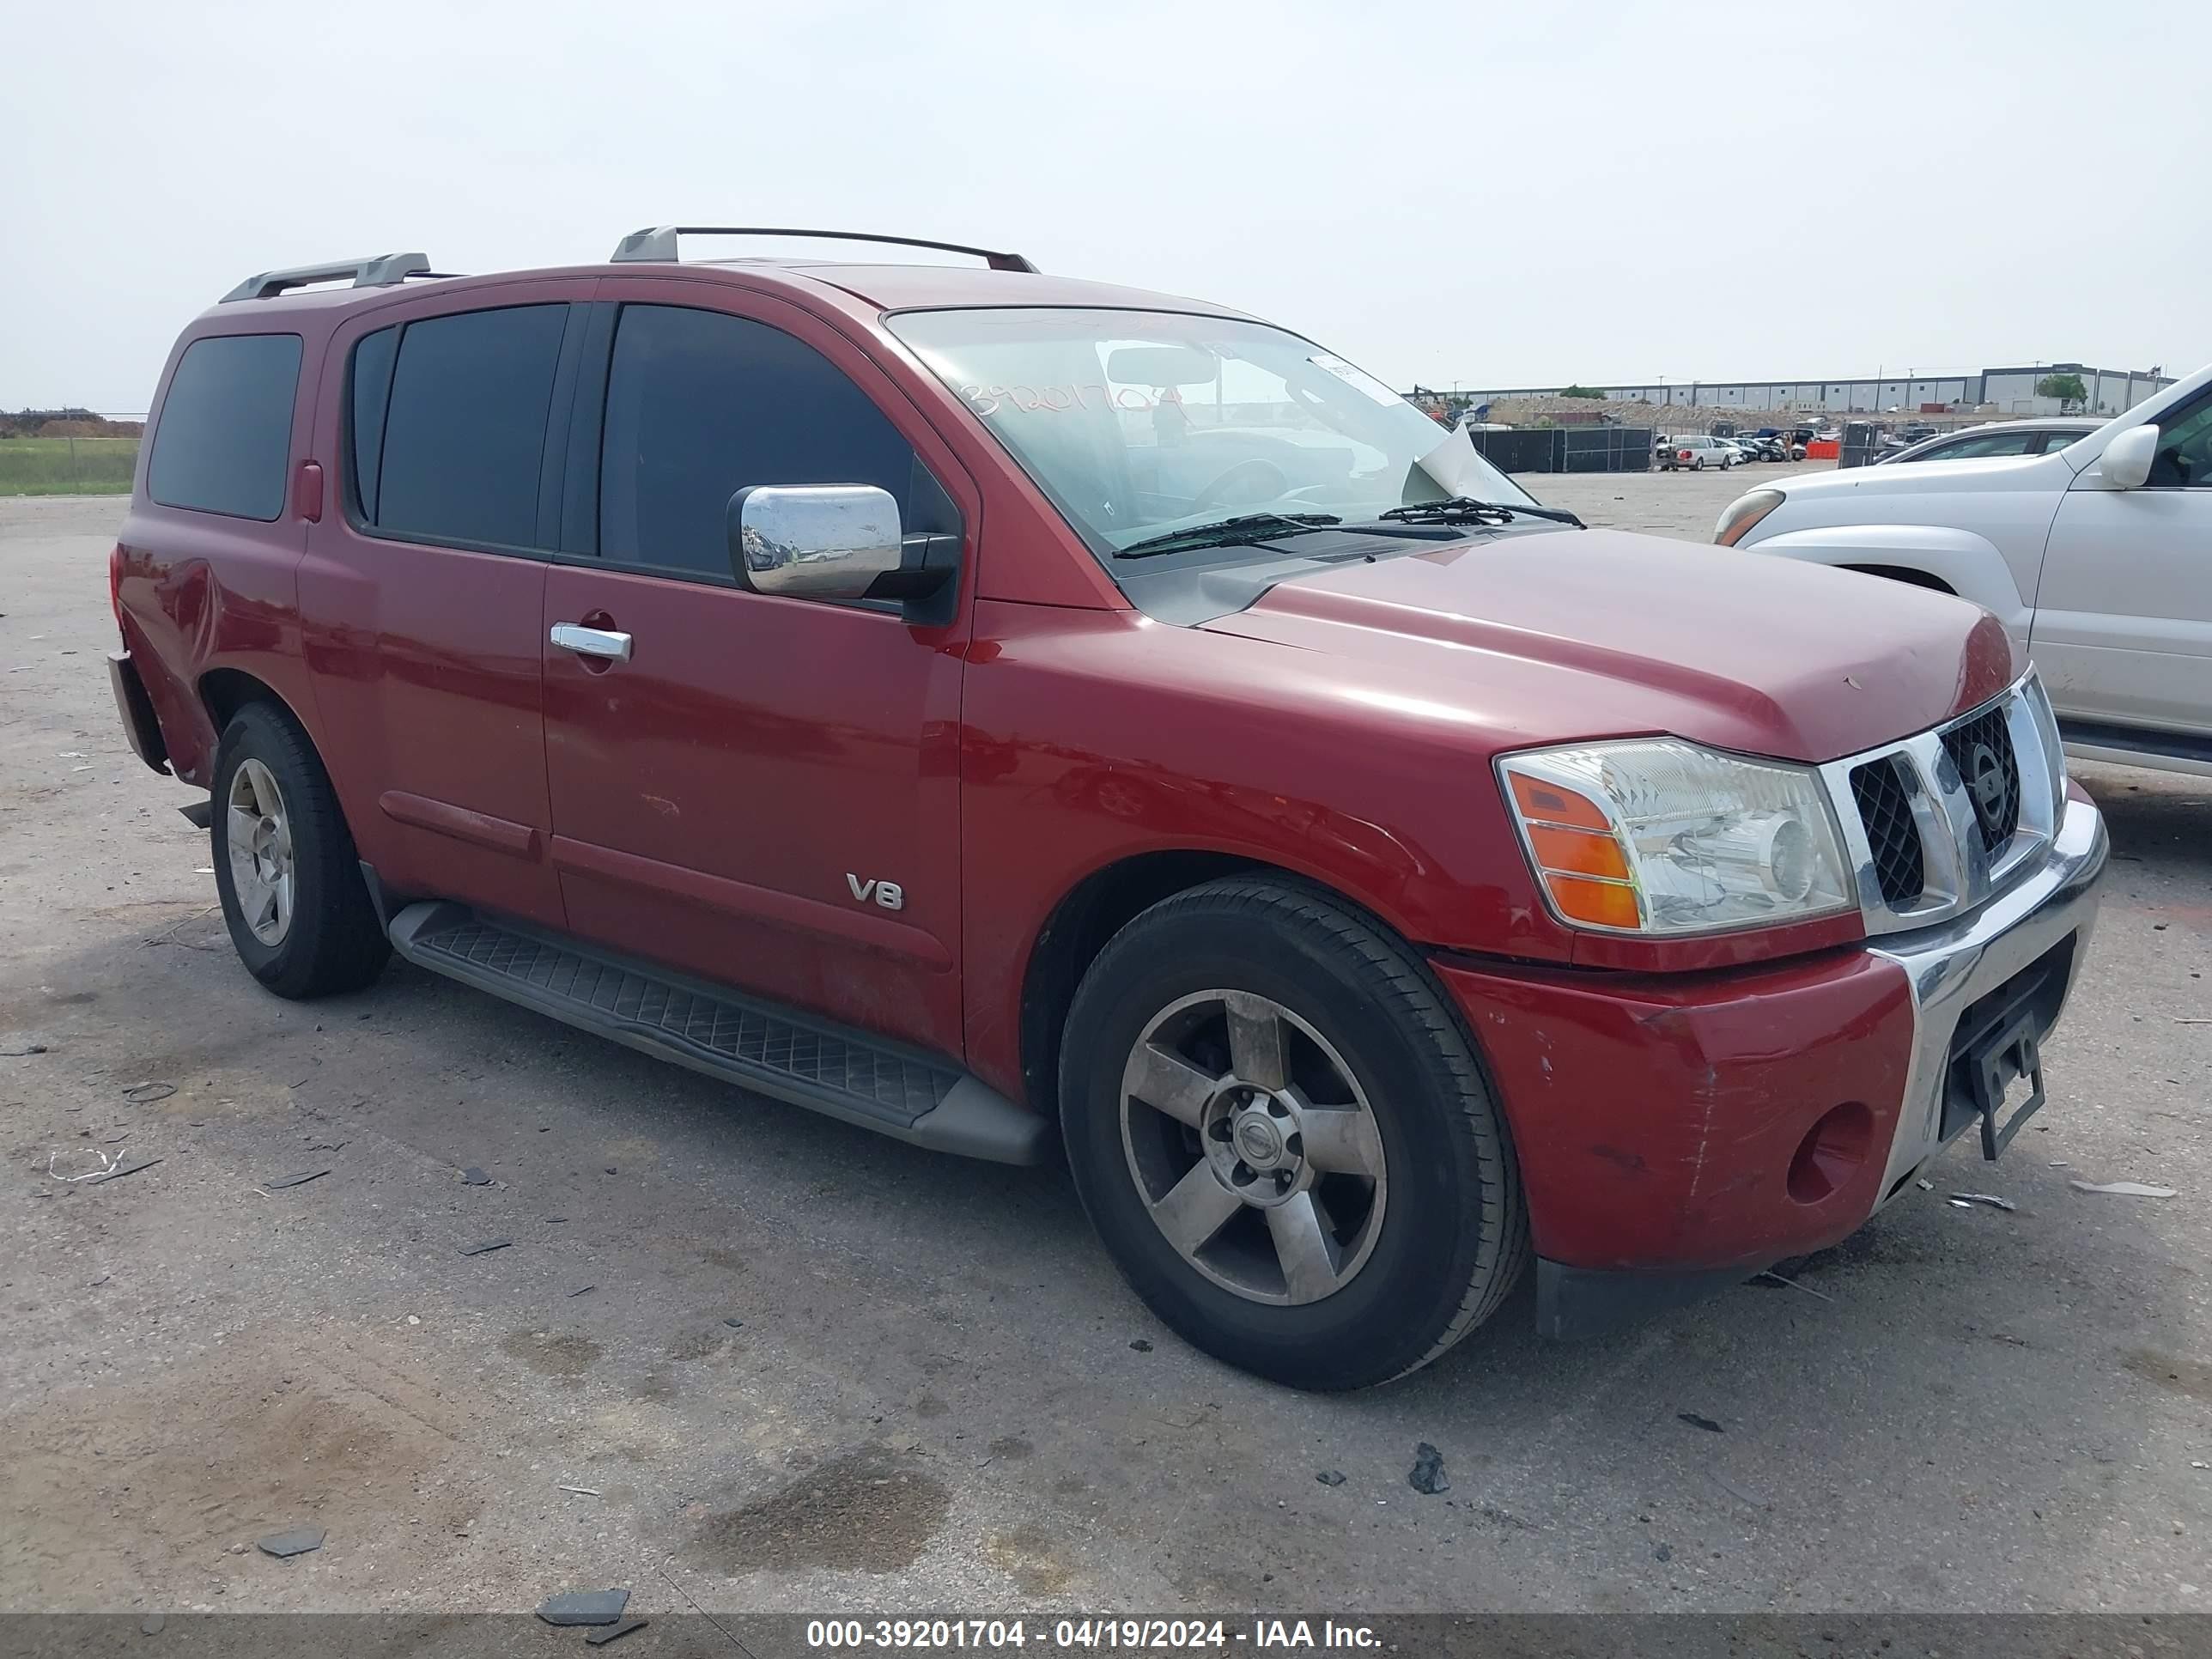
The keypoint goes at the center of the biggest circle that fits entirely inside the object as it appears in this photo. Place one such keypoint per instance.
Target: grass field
(67, 467)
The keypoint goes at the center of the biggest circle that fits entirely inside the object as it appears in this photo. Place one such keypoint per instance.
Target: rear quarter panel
(204, 590)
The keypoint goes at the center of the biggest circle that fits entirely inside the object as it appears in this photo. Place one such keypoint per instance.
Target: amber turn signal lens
(1601, 904)
(1578, 853)
(1742, 516)
(1546, 803)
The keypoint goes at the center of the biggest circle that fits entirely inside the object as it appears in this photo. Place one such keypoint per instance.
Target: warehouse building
(2007, 390)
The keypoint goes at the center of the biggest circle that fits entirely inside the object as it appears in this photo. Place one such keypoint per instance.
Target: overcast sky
(1444, 193)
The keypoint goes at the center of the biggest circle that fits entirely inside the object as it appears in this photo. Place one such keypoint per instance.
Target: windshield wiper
(1465, 509)
(1246, 529)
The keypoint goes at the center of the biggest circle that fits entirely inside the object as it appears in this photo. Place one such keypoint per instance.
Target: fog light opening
(1833, 1150)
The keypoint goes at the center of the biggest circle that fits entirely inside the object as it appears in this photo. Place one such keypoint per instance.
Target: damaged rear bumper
(139, 724)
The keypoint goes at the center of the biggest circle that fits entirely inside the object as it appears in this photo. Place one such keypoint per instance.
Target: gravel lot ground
(818, 1370)
(1683, 504)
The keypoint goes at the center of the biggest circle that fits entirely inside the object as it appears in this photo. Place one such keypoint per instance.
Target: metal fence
(67, 467)
(1567, 449)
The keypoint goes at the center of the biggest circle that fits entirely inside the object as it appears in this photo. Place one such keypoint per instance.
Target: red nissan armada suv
(975, 704)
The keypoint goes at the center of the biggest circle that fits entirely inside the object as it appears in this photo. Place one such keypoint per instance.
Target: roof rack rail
(379, 271)
(657, 243)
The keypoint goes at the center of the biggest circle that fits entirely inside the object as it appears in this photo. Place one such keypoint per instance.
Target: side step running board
(889, 1087)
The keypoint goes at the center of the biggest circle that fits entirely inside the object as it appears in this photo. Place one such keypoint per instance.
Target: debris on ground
(1989, 1199)
(599, 1639)
(17, 1054)
(151, 1624)
(2123, 1189)
(473, 1176)
(145, 1094)
(108, 1162)
(580, 1491)
(1142, 1345)
(1794, 1285)
(1331, 1477)
(555, 1220)
(1925, 1186)
(487, 1247)
(299, 1180)
(1664, 1552)
(735, 1324)
(584, 1607)
(1737, 1492)
(581, 1290)
(1697, 1422)
(298, 1541)
(1427, 1474)
(123, 1170)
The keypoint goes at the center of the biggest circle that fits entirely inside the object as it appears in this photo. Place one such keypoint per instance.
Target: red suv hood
(1549, 637)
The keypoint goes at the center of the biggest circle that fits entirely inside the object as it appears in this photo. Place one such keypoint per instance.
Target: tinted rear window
(465, 432)
(369, 386)
(226, 427)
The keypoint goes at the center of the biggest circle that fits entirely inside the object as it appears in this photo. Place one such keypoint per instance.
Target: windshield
(1138, 423)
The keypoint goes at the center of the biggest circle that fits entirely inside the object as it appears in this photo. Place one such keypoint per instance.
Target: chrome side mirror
(813, 541)
(2125, 464)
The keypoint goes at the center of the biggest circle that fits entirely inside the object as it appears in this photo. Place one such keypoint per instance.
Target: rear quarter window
(225, 431)
(463, 433)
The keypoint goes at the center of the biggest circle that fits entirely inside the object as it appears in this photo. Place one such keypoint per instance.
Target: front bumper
(1676, 1134)
(2042, 924)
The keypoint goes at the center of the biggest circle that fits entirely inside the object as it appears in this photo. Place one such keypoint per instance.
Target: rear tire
(1330, 1206)
(285, 867)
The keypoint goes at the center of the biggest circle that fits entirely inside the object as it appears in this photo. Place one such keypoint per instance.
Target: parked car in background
(1696, 453)
(2034, 437)
(898, 690)
(2095, 553)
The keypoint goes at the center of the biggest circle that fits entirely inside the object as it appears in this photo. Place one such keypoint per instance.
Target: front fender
(1968, 564)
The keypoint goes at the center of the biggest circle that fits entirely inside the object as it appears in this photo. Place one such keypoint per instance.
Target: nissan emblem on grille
(1993, 790)
(1982, 750)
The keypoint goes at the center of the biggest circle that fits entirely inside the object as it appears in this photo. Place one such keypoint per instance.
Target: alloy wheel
(1252, 1147)
(260, 834)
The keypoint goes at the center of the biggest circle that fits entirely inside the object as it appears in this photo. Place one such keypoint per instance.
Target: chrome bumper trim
(1950, 964)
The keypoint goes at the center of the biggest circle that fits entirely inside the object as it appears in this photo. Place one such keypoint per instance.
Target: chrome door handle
(591, 641)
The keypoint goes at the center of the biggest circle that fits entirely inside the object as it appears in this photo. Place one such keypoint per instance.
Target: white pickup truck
(2097, 556)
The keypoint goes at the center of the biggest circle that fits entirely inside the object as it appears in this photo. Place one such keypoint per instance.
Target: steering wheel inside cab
(1250, 481)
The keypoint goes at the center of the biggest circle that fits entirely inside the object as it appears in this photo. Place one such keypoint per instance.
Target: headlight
(1743, 513)
(1660, 836)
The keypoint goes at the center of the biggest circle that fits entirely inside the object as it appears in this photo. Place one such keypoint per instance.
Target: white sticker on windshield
(1358, 379)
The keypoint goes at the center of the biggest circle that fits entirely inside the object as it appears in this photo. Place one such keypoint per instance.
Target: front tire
(1285, 1137)
(290, 882)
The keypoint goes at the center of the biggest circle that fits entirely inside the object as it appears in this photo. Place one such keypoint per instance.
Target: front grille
(1948, 817)
(1885, 810)
(1981, 749)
